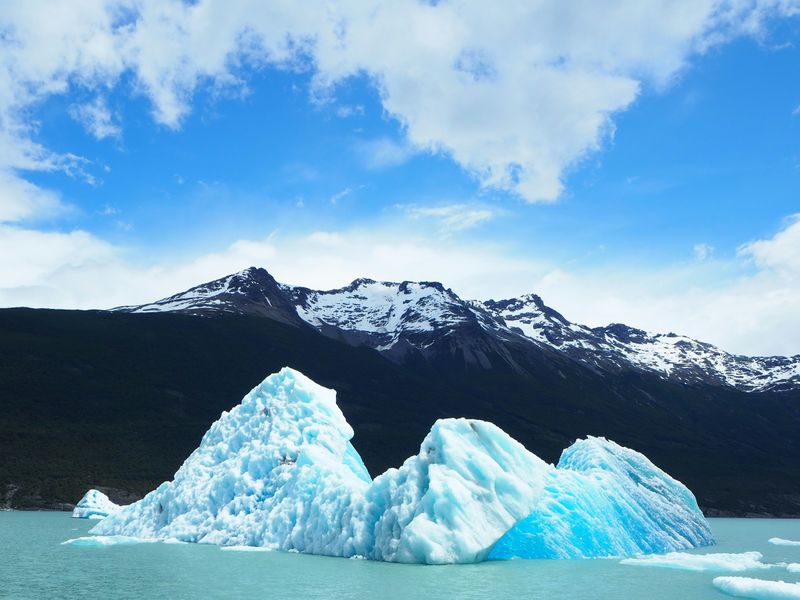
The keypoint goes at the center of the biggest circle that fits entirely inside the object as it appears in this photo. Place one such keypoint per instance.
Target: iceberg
(279, 472)
(759, 589)
(776, 541)
(94, 505)
(606, 500)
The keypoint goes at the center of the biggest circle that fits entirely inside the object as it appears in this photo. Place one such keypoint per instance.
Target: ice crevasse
(278, 471)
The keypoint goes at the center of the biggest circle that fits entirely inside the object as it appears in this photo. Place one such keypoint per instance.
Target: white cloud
(21, 200)
(349, 110)
(96, 118)
(779, 254)
(702, 251)
(751, 312)
(334, 199)
(516, 96)
(453, 217)
(383, 153)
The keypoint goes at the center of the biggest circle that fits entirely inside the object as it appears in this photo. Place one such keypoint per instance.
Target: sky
(633, 161)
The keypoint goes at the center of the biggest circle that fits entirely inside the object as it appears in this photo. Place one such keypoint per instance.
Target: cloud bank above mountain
(515, 96)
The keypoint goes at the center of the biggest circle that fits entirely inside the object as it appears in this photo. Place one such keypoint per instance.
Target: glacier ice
(278, 471)
(614, 501)
(776, 541)
(759, 589)
(730, 562)
(94, 505)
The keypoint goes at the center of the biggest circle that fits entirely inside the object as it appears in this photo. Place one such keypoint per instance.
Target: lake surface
(34, 564)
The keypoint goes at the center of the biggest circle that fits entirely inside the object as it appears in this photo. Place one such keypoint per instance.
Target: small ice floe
(758, 589)
(94, 505)
(793, 567)
(733, 563)
(782, 542)
(108, 540)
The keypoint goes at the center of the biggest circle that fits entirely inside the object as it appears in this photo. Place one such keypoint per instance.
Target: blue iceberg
(606, 500)
(279, 471)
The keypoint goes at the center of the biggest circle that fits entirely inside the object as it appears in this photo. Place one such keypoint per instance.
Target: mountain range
(410, 321)
(116, 399)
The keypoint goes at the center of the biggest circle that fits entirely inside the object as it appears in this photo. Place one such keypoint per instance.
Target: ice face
(450, 503)
(279, 471)
(606, 500)
(94, 505)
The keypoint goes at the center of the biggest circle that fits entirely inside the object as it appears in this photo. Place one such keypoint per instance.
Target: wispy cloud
(96, 118)
(453, 217)
(108, 211)
(702, 251)
(344, 193)
(349, 110)
(383, 153)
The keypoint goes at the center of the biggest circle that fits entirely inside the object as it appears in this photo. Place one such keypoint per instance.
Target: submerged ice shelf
(94, 505)
(278, 471)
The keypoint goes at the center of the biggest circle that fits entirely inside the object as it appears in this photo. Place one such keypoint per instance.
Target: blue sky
(666, 200)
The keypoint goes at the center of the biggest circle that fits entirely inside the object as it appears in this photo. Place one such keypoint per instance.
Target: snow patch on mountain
(398, 318)
(618, 346)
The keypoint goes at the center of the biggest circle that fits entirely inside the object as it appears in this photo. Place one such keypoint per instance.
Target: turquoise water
(33, 564)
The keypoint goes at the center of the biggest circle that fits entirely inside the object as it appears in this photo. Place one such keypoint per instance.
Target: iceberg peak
(279, 471)
(94, 505)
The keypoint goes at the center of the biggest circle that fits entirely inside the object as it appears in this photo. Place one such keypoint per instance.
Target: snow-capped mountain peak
(407, 318)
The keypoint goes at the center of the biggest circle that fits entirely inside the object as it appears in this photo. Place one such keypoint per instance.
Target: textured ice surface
(279, 471)
(606, 500)
(776, 541)
(758, 589)
(94, 505)
(743, 561)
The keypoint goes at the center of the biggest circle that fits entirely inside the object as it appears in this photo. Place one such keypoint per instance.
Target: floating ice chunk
(793, 567)
(108, 540)
(758, 589)
(733, 563)
(279, 472)
(467, 486)
(606, 500)
(782, 542)
(94, 505)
